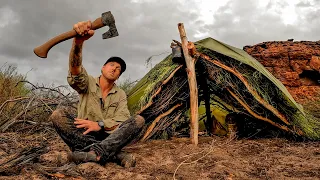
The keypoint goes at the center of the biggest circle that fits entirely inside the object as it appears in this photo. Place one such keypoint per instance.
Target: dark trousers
(103, 144)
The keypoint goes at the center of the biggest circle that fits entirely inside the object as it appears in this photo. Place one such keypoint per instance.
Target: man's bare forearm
(75, 58)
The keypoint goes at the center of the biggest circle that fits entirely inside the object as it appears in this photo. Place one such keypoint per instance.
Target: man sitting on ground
(103, 125)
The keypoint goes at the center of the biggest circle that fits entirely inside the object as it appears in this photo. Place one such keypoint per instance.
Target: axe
(106, 19)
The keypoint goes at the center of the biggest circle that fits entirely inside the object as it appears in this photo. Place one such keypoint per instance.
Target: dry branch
(11, 100)
(194, 126)
(150, 128)
(250, 89)
(27, 155)
(256, 115)
(164, 124)
(158, 90)
(58, 172)
(36, 107)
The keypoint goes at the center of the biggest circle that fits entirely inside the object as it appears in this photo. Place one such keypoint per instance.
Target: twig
(46, 105)
(190, 156)
(31, 122)
(36, 87)
(34, 105)
(25, 156)
(51, 89)
(11, 100)
(164, 124)
(57, 171)
(150, 128)
(177, 42)
(26, 109)
(158, 90)
(9, 123)
(149, 58)
(256, 115)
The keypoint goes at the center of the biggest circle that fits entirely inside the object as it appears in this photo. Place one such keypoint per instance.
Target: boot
(126, 160)
(126, 132)
(82, 157)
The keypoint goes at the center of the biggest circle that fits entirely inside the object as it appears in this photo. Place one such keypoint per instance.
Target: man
(103, 125)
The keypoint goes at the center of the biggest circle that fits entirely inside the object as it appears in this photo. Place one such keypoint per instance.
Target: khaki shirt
(112, 110)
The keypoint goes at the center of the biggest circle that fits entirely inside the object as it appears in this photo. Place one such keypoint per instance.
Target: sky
(146, 28)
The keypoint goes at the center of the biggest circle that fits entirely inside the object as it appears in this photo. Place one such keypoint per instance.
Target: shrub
(127, 85)
(9, 83)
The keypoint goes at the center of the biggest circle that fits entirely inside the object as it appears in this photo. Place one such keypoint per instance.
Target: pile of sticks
(35, 108)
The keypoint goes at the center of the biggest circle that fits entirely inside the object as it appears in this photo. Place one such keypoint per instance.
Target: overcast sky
(146, 28)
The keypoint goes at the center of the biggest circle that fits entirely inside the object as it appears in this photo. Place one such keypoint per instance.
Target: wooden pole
(194, 126)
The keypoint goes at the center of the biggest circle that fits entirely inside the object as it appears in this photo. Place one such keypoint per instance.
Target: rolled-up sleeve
(79, 82)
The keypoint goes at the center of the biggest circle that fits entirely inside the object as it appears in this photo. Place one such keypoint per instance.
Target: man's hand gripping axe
(106, 19)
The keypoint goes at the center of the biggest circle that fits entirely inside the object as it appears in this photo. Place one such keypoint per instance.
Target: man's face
(111, 71)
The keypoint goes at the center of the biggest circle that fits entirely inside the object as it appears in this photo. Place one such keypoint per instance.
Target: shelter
(235, 90)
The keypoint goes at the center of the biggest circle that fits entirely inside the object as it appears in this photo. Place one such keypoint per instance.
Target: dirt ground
(213, 158)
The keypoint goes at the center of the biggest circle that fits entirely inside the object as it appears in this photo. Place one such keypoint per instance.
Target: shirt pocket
(112, 109)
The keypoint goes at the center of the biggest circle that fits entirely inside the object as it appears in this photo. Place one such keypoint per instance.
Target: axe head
(108, 20)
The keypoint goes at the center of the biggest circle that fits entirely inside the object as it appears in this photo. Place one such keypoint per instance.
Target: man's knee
(57, 116)
(139, 120)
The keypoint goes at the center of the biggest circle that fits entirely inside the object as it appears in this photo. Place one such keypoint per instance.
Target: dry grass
(9, 83)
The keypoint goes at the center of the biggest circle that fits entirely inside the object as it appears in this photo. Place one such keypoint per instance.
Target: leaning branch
(256, 115)
(250, 89)
(150, 128)
(158, 90)
(192, 80)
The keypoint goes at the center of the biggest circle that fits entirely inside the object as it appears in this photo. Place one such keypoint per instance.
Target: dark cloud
(239, 25)
(304, 4)
(146, 28)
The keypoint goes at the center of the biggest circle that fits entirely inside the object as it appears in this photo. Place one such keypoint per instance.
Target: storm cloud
(146, 28)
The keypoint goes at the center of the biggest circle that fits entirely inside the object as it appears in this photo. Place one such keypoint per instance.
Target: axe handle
(42, 51)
